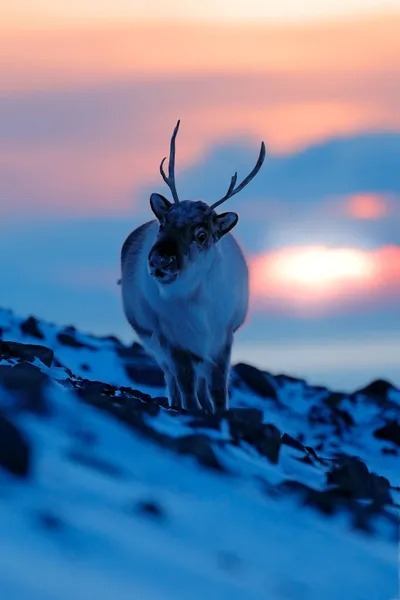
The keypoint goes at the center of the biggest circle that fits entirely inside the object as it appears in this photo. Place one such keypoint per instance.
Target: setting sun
(313, 279)
(320, 267)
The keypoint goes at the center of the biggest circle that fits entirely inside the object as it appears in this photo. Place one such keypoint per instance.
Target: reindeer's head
(188, 230)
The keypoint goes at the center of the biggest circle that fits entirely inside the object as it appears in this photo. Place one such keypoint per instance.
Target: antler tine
(232, 190)
(170, 180)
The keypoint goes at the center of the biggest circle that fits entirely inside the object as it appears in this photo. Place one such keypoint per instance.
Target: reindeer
(185, 290)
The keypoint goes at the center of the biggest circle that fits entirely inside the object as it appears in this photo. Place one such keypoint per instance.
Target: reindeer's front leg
(173, 388)
(219, 378)
(184, 366)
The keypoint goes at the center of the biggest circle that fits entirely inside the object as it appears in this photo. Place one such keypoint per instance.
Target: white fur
(198, 312)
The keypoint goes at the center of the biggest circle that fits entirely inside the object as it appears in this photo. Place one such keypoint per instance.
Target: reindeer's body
(185, 293)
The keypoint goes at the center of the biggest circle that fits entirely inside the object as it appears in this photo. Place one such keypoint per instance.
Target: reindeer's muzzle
(163, 262)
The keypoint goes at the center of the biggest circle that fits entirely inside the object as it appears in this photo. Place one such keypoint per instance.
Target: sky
(45, 12)
(89, 96)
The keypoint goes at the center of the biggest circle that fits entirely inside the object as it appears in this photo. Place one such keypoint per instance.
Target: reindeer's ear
(226, 222)
(159, 205)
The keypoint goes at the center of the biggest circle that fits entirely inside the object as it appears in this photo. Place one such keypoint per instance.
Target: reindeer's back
(134, 253)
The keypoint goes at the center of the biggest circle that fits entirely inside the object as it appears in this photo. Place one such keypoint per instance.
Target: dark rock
(150, 408)
(306, 459)
(333, 399)
(152, 509)
(392, 451)
(26, 352)
(15, 452)
(67, 339)
(206, 421)
(247, 417)
(352, 478)
(288, 440)
(326, 501)
(199, 445)
(260, 383)
(145, 374)
(330, 501)
(161, 401)
(344, 416)
(283, 379)
(269, 443)
(351, 475)
(113, 339)
(26, 383)
(129, 403)
(379, 489)
(136, 393)
(319, 414)
(128, 407)
(389, 432)
(378, 388)
(318, 389)
(245, 423)
(31, 327)
(312, 453)
(96, 392)
(134, 351)
(89, 389)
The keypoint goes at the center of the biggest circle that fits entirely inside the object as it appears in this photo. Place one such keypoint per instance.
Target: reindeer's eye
(200, 236)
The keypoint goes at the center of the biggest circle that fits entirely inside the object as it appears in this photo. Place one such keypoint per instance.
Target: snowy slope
(106, 493)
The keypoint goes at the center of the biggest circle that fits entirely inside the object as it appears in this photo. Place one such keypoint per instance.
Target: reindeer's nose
(163, 266)
(161, 261)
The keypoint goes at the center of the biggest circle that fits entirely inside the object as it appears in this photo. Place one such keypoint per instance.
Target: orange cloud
(366, 207)
(56, 58)
(293, 85)
(318, 280)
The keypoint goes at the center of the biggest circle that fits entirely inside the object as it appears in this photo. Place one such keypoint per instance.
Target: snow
(73, 529)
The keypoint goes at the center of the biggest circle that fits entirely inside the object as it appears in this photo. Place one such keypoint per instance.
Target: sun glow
(320, 267)
(317, 278)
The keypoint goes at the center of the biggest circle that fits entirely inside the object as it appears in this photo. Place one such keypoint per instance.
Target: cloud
(339, 166)
(61, 57)
(85, 121)
(368, 206)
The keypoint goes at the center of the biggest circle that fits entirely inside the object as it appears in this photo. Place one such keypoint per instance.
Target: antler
(232, 190)
(170, 180)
